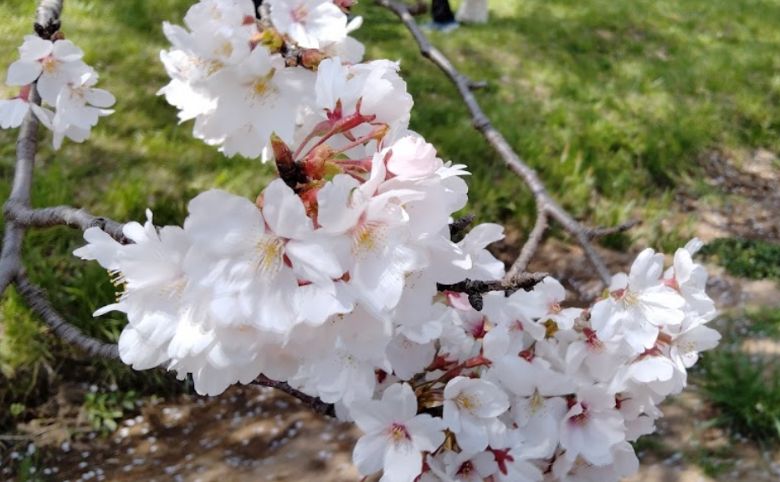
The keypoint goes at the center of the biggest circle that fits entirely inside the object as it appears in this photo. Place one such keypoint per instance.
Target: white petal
(23, 72)
(66, 51)
(284, 211)
(100, 98)
(35, 48)
(368, 453)
(403, 463)
(12, 113)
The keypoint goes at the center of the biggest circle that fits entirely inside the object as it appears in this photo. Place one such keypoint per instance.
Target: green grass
(747, 258)
(613, 102)
(745, 388)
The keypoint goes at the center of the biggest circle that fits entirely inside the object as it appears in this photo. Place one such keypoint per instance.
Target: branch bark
(313, 403)
(544, 202)
(20, 215)
(531, 244)
(476, 288)
(26, 147)
(62, 216)
(36, 300)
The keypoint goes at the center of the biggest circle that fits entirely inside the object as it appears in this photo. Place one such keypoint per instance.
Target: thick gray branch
(62, 216)
(36, 300)
(545, 203)
(26, 147)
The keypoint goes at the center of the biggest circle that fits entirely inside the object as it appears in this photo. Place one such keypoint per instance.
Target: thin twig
(313, 403)
(458, 226)
(476, 288)
(620, 228)
(545, 203)
(531, 245)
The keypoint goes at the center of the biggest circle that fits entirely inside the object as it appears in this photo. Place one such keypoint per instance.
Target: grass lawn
(612, 101)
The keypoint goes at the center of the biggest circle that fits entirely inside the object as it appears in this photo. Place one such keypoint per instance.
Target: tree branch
(620, 228)
(26, 147)
(36, 300)
(313, 403)
(62, 216)
(531, 245)
(545, 203)
(476, 288)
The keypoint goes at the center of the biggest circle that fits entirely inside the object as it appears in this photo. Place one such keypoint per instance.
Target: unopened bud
(288, 169)
(311, 58)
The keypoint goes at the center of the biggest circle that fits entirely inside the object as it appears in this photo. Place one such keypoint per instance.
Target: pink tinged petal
(100, 98)
(402, 463)
(66, 51)
(23, 72)
(369, 452)
(12, 113)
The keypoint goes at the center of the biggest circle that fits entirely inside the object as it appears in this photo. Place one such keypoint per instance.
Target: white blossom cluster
(230, 72)
(64, 82)
(341, 278)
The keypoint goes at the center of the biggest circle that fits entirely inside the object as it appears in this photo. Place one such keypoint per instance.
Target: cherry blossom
(340, 278)
(395, 435)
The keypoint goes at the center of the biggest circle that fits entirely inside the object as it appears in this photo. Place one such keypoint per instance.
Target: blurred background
(658, 110)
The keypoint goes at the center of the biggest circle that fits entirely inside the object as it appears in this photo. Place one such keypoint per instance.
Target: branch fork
(20, 215)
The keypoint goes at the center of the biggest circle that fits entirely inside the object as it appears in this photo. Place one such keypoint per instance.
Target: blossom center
(398, 433)
(367, 238)
(536, 402)
(466, 468)
(629, 298)
(225, 49)
(581, 418)
(49, 64)
(261, 86)
(466, 402)
(269, 252)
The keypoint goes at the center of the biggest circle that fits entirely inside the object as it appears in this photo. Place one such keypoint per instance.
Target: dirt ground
(253, 433)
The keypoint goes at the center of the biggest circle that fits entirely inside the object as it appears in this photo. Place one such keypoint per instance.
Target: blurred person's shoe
(443, 27)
